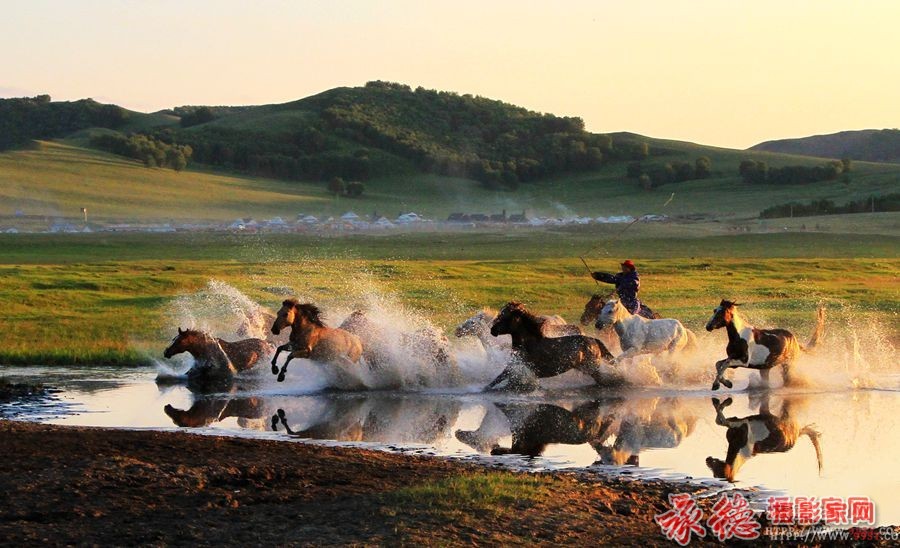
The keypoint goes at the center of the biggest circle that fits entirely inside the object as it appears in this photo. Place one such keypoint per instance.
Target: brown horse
(212, 368)
(545, 356)
(755, 434)
(209, 410)
(242, 354)
(311, 338)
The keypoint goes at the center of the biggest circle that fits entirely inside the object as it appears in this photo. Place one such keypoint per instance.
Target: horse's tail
(818, 331)
(814, 435)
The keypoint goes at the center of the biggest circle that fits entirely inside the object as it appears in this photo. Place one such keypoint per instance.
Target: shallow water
(642, 432)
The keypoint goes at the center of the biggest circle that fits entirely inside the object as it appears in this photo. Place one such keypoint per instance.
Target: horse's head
(183, 341)
(722, 315)
(508, 319)
(592, 309)
(476, 324)
(720, 469)
(293, 312)
(609, 314)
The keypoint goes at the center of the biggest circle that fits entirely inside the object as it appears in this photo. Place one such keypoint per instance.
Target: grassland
(56, 179)
(97, 298)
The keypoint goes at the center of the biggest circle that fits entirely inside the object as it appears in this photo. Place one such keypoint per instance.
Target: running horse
(638, 335)
(212, 368)
(311, 338)
(479, 326)
(755, 434)
(760, 349)
(243, 354)
(547, 356)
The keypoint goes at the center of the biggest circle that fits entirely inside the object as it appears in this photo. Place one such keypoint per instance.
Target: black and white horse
(760, 349)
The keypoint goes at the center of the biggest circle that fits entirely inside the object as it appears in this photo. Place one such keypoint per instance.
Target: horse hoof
(727, 383)
(715, 385)
(274, 369)
(281, 377)
(275, 423)
(280, 414)
(727, 402)
(716, 402)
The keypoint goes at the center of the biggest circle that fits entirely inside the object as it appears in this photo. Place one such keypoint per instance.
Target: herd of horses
(541, 346)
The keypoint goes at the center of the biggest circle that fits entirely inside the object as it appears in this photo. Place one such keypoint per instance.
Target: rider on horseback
(627, 283)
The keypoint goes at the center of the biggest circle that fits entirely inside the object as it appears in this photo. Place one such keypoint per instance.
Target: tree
(355, 189)
(645, 182)
(336, 186)
(702, 168)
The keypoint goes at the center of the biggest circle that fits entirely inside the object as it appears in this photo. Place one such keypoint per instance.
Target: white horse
(479, 326)
(638, 335)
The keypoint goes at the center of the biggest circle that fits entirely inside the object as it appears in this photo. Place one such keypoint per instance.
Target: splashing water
(405, 350)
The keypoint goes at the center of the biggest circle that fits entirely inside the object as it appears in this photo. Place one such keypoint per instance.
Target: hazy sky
(718, 72)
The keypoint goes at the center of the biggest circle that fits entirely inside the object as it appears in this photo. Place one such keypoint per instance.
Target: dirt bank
(67, 485)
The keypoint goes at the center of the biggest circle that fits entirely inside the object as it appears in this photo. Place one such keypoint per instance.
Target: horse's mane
(519, 308)
(195, 332)
(488, 311)
(312, 313)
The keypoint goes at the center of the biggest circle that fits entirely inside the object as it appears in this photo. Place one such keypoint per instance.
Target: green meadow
(55, 179)
(106, 298)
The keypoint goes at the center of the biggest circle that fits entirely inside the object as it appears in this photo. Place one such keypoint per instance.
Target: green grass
(71, 299)
(57, 179)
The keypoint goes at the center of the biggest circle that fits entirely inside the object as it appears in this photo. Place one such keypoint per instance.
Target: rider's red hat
(629, 263)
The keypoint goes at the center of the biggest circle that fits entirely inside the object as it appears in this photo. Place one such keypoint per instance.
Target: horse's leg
(786, 373)
(764, 377)
(721, 367)
(505, 374)
(284, 367)
(278, 350)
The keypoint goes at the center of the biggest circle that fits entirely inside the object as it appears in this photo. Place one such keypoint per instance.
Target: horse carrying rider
(627, 283)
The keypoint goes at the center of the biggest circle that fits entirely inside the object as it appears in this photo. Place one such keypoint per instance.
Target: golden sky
(722, 72)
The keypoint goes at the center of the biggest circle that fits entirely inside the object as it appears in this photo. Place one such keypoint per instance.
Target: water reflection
(761, 433)
(760, 436)
(617, 429)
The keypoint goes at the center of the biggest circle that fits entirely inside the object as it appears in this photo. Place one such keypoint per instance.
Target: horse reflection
(755, 434)
(616, 429)
(208, 410)
(371, 419)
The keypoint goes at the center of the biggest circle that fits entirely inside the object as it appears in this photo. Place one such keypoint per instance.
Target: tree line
(153, 152)
(27, 118)
(652, 176)
(758, 172)
(887, 202)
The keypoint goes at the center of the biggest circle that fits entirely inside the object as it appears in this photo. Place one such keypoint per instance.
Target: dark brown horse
(760, 349)
(544, 356)
(311, 338)
(212, 368)
(242, 354)
(755, 434)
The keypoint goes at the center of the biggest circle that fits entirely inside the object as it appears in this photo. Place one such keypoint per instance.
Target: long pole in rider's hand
(615, 238)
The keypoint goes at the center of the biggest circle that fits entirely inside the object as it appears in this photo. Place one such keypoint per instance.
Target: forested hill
(356, 133)
(873, 145)
(384, 128)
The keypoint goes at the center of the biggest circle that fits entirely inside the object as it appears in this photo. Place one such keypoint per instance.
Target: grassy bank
(106, 299)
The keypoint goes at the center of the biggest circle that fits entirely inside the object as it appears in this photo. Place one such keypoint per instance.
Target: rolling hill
(872, 145)
(431, 152)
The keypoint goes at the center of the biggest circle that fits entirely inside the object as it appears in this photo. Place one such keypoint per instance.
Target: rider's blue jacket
(627, 286)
